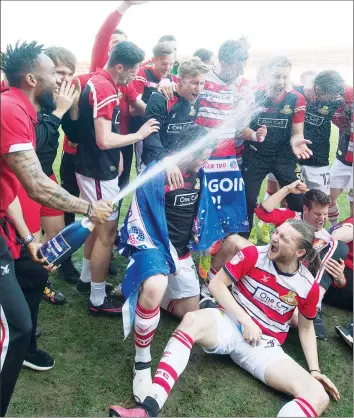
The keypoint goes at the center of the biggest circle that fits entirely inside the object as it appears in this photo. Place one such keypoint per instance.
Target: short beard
(46, 100)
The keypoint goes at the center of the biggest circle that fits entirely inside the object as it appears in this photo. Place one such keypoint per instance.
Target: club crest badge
(192, 111)
(290, 299)
(119, 95)
(286, 110)
(324, 110)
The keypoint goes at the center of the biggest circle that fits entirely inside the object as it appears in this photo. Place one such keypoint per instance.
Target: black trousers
(124, 178)
(255, 168)
(68, 182)
(32, 279)
(341, 298)
(15, 326)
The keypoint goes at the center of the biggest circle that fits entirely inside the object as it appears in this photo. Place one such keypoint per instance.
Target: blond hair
(192, 68)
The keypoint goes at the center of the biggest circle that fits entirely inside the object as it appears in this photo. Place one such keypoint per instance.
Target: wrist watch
(28, 239)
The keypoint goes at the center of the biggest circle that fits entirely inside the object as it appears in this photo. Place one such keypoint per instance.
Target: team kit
(203, 139)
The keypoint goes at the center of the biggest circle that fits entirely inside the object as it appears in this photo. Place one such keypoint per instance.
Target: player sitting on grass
(315, 212)
(159, 224)
(252, 322)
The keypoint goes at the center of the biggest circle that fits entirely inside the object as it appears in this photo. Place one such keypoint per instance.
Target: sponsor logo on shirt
(273, 123)
(186, 199)
(313, 119)
(175, 128)
(238, 258)
(272, 301)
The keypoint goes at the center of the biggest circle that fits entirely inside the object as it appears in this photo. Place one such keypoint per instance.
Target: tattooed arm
(42, 189)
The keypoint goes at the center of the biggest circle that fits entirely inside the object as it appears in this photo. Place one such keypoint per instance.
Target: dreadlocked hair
(19, 60)
(311, 259)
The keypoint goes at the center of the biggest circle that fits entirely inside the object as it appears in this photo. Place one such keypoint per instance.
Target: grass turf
(94, 365)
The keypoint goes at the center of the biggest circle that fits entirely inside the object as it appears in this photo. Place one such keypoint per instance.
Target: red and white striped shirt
(268, 295)
(220, 102)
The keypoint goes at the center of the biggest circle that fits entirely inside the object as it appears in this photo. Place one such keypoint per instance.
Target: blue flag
(222, 206)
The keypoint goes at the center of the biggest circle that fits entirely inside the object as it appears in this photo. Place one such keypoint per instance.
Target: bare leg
(102, 249)
(52, 225)
(179, 307)
(297, 382)
(225, 254)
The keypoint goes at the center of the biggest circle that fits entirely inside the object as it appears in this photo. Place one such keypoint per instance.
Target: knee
(152, 292)
(315, 393)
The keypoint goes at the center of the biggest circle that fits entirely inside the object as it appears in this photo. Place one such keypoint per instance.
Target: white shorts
(341, 176)
(93, 190)
(184, 285)
(271, 177)
(317, 177)
(255, 360)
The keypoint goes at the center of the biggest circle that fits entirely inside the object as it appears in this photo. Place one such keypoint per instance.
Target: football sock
(98, 293)
(298, 407)
(174, 360)
(145, 324)
(85, 271)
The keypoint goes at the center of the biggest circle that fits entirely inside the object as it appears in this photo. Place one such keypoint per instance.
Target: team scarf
(222, 203)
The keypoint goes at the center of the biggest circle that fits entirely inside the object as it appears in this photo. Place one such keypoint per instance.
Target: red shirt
(99, 56)
(268, 295)
(18, 117)
(349, 260)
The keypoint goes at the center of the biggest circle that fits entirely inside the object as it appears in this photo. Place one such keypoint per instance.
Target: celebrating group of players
(218, 136)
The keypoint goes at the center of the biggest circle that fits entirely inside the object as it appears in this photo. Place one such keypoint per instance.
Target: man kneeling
(159, 214)
(252, 322)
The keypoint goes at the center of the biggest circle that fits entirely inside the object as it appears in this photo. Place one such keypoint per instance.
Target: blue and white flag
(222, 184)
(144, 239)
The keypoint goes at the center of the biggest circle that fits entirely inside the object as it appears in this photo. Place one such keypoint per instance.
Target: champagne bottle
(204, 264)
(60, 247)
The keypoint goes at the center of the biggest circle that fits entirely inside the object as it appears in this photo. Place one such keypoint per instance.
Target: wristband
(28, 239)
(319, 371)
(89, 210)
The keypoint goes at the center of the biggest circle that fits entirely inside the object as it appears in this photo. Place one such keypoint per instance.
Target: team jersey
(220, 102)
(349, 259)
(278, 116)
(17, 122)
(344, 119)
(317, 127)
(47, 138)
(99, 99)
(67, 123)
(268, 295)
(279, 216)
(173, 115)
(180, 209)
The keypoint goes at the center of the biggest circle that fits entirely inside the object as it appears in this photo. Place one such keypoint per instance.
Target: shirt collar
(25, 101)
(107, 75)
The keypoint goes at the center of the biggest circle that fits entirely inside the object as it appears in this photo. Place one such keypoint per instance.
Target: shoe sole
(346, 338)
(112, 413)
(105, 313)
(36, 368)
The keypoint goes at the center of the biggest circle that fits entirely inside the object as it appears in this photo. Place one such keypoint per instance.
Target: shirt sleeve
(276, 216)
(99, 55)
(130, 94)
(242, 263)
(103, 102)
(152, 147)
(139, 83)
(300, 109)
(16, 129)
(308, 307)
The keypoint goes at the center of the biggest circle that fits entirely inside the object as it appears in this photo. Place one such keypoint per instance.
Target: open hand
(300, 149)
(327, 384)
(149, 127)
